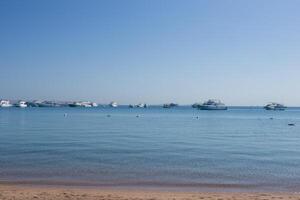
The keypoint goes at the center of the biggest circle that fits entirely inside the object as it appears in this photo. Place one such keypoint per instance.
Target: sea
(181, 148)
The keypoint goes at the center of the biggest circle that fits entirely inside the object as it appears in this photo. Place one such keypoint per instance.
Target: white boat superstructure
(5, 104)
(141, 105)
(86, 104)
(113, 104)
(21, 104)
(213, 104)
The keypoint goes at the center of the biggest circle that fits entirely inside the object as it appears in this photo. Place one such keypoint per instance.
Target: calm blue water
(234, 149)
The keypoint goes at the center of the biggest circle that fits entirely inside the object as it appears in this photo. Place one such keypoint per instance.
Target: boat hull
(204, 107)
(280, 109)
(6, 106)
(21, 106)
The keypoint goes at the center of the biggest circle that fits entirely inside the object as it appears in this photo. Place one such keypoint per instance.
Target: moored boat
(85, 104)
(170, 105)
(274, 106)
(113, 104)
(141, 105)
(5, 103)
(21, 104)
(212, 104)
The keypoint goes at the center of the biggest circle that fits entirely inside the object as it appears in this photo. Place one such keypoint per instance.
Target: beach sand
(11, 192)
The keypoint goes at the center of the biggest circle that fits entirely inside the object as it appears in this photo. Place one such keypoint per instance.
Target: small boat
(21, 104)
(141, 105)
(212, 104)
(5, 104)
(170, 105)
(130, 106)
(274, 106)
(113, 104)
(85, 104)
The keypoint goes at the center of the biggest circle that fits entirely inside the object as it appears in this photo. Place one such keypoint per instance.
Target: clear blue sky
(242, 52)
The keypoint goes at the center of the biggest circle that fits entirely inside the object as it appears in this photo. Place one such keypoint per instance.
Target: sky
(152, 51)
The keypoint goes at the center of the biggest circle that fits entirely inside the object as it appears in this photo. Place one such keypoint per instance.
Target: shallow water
(237, 149)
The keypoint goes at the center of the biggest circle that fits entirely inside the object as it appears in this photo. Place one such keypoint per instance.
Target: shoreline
(30, 192)
(155, 186)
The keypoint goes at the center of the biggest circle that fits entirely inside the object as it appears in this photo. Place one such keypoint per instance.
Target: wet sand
(17, 192)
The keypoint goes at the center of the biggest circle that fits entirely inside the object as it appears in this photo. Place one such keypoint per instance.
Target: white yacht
(212, 104)
(113, 104)
(5, 104)
(275, 106)
(21, 104)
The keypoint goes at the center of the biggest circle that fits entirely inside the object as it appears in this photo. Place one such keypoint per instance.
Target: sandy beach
(17, 192)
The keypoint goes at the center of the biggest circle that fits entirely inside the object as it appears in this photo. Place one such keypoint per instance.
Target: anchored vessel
(85, 104)
(21, 104)
(113, 104)
(212, 104)
(141, 105)
(170, 105)
(5, 104)
(275, 106)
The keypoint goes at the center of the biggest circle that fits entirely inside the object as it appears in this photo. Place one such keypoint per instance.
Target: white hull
(113, 104)
(6, 105)
(22, 106)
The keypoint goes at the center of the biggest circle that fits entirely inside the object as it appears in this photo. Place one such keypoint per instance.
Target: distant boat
(130, 106)
(212, 104)
(274, 106)
(85, 104)
(5, 104)
(21, 104)
(170, 105)
(141, 105)
(113, 104)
